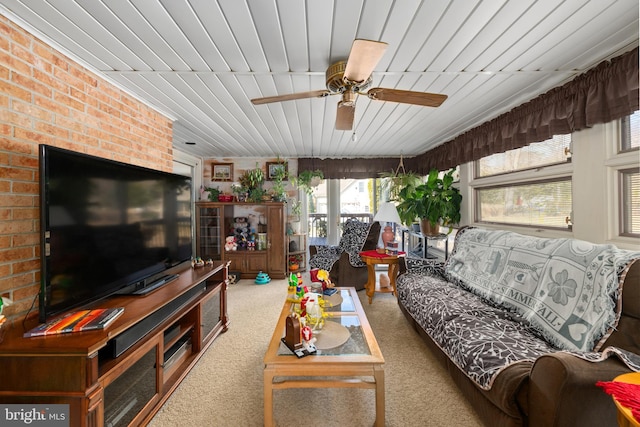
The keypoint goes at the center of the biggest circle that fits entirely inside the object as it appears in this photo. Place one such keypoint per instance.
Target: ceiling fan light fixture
(348, 98)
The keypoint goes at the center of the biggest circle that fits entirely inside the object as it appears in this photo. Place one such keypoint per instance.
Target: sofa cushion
(566, 289)
(480, 339)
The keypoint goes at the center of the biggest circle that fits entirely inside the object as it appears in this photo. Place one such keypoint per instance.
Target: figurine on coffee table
(308, 340)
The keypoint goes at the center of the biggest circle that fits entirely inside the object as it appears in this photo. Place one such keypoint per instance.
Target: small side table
(625, 418)
(373, 258)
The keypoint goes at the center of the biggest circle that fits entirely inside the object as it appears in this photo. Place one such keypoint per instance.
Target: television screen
(106, 226)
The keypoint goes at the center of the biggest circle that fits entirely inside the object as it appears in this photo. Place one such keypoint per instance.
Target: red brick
(15, 254)
(31, 84)
(26, 239)
(25, 266)
(24, 161)
(15, 91)
(26, 188)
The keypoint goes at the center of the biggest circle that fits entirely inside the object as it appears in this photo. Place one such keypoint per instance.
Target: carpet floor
(225, 387)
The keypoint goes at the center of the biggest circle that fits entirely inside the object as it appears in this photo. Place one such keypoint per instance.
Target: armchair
(343, 261)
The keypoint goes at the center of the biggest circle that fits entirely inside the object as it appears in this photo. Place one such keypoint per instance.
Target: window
(630, 132)
(552, 151)
(630, 185)
(529, 186)
(536, 204)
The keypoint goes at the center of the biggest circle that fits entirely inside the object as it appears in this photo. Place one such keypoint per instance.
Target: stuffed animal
(230, 244)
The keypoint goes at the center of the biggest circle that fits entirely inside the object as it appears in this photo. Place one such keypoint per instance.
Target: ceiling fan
(351, 77)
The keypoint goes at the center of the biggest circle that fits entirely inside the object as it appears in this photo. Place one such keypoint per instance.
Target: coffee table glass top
(346, 332)
(341, 301)
(340, 336)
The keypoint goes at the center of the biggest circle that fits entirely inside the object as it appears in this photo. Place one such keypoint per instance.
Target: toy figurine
(292, 333)
(230, 244)
(308, 340)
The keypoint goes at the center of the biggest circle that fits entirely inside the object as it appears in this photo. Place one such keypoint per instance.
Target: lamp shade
(387, 213)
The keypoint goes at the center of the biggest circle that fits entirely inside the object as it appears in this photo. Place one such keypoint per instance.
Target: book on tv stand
(77, 321)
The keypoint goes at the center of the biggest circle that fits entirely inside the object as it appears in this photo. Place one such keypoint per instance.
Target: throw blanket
(565, 289)
(353, 238)
(480, 338)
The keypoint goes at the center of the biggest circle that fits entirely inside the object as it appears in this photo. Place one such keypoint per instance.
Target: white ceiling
(201, 61)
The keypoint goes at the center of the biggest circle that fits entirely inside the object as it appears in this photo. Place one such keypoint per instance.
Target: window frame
(621, 194)
(542, 174)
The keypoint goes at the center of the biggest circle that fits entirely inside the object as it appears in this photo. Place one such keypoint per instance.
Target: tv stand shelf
(121, 375)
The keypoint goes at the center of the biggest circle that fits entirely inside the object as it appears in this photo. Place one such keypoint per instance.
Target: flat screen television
(107, 227)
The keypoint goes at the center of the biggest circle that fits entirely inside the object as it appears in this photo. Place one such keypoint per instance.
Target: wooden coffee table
(358, 363)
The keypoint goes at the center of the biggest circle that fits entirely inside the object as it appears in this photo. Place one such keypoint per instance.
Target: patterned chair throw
(353, 238)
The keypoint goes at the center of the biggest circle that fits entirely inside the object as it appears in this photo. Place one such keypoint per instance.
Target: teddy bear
(230, 244)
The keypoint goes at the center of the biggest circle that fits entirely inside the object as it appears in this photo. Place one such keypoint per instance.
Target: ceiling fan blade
(345, 115)
(363, 58)
(291, 97)
(406, 96)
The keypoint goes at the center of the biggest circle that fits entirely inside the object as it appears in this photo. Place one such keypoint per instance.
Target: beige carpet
(225, 387)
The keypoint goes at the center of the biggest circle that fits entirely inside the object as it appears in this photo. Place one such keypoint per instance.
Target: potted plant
(435, 202)
(252, 180)
(308, 180)
(214, 192)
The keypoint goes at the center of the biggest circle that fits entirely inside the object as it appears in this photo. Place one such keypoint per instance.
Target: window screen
(630, 201)
(541, 204)
(630, 132)
(552, 151)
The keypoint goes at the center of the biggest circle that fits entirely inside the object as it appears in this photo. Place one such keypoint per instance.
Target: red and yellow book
(77, 321)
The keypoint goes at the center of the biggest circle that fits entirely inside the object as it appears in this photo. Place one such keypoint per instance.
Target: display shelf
(297, 248)
(215, 221)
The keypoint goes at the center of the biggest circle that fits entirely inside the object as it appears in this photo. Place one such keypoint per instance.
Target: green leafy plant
(252, 178)
(278, 188)
(394, 181)
(307, 180)
(214, 192)
(436, 201)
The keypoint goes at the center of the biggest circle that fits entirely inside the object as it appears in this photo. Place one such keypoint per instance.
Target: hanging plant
(308, 180)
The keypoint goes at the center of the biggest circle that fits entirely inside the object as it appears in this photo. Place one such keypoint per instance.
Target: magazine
(77, 321)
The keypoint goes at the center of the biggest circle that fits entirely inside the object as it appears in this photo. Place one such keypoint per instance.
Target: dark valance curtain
(607, 92)
(360, 168)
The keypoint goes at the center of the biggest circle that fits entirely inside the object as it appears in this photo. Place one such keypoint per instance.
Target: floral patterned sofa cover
(526, 326)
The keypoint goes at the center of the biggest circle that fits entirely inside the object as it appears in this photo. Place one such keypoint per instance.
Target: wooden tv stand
(102, 387)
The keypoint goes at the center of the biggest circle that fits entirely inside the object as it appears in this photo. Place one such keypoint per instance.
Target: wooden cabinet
(121, 375)
(249, 263)
(216, 220)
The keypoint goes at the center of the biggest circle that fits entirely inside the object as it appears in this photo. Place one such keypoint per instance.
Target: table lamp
(389, 214)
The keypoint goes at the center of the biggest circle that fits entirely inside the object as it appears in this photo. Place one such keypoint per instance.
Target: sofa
(526, 326)
(343, 261)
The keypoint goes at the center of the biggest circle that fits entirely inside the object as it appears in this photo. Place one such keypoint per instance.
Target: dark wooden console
(165, 333)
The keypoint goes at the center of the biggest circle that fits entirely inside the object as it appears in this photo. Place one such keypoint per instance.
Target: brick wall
(46, 98)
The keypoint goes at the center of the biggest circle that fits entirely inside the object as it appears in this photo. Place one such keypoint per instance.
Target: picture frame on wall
(222, 171)
(272, 167)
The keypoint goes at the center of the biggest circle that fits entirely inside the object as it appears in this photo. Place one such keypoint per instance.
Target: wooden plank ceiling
(201, 62)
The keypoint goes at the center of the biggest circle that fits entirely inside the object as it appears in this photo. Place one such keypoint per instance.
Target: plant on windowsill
(436, 202)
